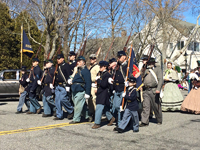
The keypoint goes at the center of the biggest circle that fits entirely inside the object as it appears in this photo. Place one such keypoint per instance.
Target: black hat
(35, 59)
(145, 57)
(112, 60)
(152, 60)
(81, 58)
(23, 68)
(121, 53)
(103, 63)
(49, 61)
(72, 53)
(132, 79)
(60, 56)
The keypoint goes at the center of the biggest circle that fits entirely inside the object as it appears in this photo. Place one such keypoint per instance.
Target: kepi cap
(121, 53)
(35, 59)
(72, 53)
(112, 60)
(103, 63)
(60, 56)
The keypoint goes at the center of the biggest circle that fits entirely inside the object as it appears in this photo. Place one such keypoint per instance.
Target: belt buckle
(45, 84)
(60, 83)
(117, 83)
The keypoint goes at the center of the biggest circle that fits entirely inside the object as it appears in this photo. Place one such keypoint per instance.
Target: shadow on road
(196, 120)
(3, 103)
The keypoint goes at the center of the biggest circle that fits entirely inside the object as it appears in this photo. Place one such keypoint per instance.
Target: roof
(183, 27)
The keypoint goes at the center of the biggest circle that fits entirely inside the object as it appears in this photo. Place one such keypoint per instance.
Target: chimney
(123, 33)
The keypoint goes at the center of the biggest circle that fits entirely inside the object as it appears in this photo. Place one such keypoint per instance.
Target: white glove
(86, 96)
(51, 86)
(121, 109)
(67, 88)
(110, 80)
(27, 80)
(124, 94)
(126, 83)
(113, 91)
(98, 77)
(39, 82)
(94, 85)
(69, 81)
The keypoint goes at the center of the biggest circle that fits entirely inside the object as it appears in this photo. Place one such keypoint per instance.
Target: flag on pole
(134, 71)
(26, 46)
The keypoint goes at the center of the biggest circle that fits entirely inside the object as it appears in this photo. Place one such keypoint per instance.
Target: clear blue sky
(189, 17)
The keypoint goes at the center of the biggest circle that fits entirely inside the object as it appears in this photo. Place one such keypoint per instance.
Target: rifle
(109, 50)
(83, 45)
(57, 52)
(124, 49)
(150, 51)
(127, 71)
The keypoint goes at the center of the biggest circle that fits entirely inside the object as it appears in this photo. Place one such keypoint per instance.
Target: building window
(196, 46)
(180, 45)
(171, 47)
(191, 46)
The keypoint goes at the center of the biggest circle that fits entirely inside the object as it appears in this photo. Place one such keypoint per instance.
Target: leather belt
(119, 83)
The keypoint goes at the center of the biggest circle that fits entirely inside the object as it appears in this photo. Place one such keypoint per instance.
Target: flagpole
(21, 43)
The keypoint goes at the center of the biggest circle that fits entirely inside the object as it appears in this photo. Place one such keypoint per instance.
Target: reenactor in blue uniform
(48, 101)
(118, 84)
(81, 90)
(23, 93)
(35, 75)
(103, 94)
(131, 107)
(62, 88)
(112, 65)
(152, 80)
(72, 60)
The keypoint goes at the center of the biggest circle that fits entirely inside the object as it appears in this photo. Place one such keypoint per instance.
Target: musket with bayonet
(83, 45)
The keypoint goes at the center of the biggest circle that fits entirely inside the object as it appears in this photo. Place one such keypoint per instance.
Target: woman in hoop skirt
(172, 99)
(192, 101)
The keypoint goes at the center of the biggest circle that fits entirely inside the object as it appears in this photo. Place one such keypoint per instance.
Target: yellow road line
(39, 128)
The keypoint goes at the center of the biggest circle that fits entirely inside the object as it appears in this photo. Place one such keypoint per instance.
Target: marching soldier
(62, 88)
(103, 95)
(118, 84)
(48, 101)
(24, 92)
(94, 70)
(72, 60)
(112, 65)
(34, 76)
(81, 90)
(131, 107)
(152, 80)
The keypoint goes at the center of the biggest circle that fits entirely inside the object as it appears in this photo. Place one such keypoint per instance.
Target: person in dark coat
(48, 101)
(35, 75)
(118, 84)
(72, 60)
(131, 107)
(102, 100)
(23, 93)
(81, 90)
(62, 88)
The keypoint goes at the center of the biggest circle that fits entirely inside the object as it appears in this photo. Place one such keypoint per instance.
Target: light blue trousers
(48, 104)
(128, 114)
(98, 113)
(61, 99)
(80, 106)
(23, 100)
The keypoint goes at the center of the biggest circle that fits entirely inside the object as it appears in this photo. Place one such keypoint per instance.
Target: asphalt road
(31, 132)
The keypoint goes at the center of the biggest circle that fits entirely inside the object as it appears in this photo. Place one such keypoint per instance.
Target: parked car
(9, 83)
